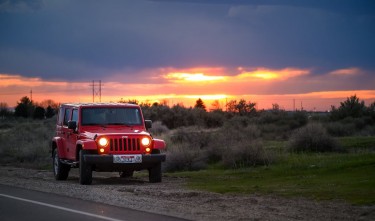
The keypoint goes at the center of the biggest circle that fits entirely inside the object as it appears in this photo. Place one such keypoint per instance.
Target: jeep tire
(85, 171)
(154, 173)
(60, 170)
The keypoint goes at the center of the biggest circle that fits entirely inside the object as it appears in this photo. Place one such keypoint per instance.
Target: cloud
(220, 74)
(32, 63)
(346, 71)
(271, 74)
(342, 6)
(136, 41)
(20, 5)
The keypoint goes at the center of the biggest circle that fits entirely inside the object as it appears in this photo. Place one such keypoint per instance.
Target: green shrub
(158, 128)
(191, 135)
(214, 119)
(245, 154)
(312, 138)
(340, 129)
(184, 157)
(237, 147)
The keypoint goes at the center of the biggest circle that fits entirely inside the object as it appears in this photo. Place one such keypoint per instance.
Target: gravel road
(171, 197)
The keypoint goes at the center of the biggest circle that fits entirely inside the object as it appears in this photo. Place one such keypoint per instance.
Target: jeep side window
(66, 116)
(60, 116)
(75, 115)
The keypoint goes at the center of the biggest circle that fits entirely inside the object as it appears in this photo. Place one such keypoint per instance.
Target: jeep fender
(57, 142)
(87, 144)
(159, 144)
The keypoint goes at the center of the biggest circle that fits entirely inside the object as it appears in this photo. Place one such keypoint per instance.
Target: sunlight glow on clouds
(184, 86)
(346, 71)
(181, 77)
(7, 80)
(271, 74)
(243, 74)
(208, 97)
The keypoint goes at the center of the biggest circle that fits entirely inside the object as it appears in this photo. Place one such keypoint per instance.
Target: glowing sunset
(176, 54)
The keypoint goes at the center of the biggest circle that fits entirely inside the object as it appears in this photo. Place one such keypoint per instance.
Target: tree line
(26, 108)
(179, 116)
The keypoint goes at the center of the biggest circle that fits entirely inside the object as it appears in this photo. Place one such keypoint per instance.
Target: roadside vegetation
(321, 156)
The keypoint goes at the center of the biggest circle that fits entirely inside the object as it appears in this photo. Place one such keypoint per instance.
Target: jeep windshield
(110, 116)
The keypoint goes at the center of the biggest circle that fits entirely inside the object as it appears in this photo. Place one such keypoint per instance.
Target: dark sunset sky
(270, 51)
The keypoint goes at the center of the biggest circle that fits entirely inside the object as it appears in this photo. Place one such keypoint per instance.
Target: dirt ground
(171, 197)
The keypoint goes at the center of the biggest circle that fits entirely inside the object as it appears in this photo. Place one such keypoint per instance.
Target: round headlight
(146, 141)
(103, 141)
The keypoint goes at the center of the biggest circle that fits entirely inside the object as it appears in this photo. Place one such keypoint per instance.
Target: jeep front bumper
(106, 162)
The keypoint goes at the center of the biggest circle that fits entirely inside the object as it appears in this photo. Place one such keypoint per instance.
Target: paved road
(18, 204)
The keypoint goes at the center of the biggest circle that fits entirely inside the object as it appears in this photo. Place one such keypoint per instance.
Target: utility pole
(93, 91)
(31, 95)
(96, 92)
(100, 91)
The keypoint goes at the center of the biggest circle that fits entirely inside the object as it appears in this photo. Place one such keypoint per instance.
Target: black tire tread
(62, 169)
(85, 170)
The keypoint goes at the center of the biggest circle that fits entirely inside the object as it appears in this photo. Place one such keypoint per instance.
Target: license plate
(134, 158)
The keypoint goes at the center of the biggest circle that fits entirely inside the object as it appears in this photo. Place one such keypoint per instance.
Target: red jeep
(104, 137)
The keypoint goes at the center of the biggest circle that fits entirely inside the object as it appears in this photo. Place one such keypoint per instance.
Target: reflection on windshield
(111, 116)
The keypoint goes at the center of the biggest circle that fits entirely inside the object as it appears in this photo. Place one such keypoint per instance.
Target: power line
(96, 90)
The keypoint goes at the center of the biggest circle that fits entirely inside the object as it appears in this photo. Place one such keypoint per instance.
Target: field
(348, 174)
(349, 177)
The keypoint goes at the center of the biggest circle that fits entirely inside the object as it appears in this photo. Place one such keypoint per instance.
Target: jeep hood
(109, 131)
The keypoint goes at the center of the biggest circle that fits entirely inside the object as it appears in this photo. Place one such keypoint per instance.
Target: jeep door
(72, 136)
(69, 135)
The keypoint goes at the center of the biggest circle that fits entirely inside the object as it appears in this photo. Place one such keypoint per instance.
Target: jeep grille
(125, 144)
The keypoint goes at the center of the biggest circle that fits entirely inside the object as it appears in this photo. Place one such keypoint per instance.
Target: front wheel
(85, 171)
(60, 170)
(154, 173)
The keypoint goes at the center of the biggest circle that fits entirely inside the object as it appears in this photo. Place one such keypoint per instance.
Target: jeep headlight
(103, 142)
(146, 141)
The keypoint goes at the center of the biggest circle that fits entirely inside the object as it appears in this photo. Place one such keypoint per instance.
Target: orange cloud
(213, 75)
(346, 71)
(208, 97)
(194, 77)
(199, 74)
(271, 74)
(7, 80)
(17, 80)
(262, 85)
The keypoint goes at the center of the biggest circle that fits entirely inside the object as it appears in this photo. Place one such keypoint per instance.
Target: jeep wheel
(154, 173)
(126, 173)
(85, 172)
(60, 170)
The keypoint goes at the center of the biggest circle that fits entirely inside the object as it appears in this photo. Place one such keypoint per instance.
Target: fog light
(101, 150)
(148, 150)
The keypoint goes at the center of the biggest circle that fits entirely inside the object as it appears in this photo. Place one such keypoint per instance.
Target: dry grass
(27, 142)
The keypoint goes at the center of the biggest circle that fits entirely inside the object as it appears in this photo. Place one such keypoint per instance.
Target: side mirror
(72, 125)
(148, 124)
